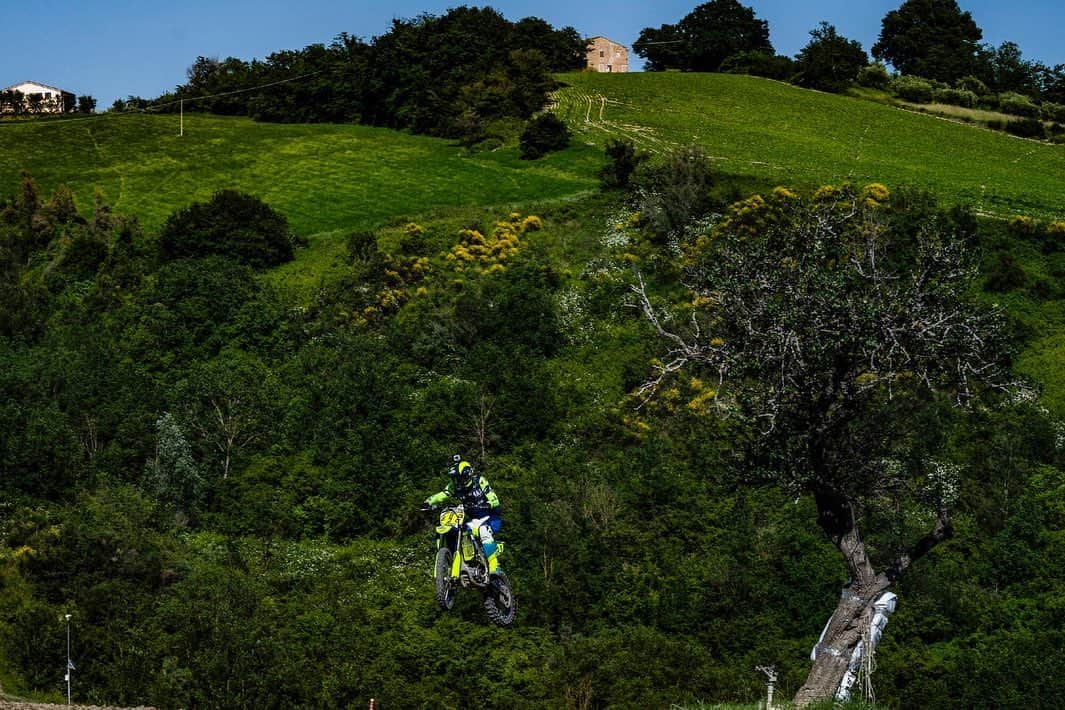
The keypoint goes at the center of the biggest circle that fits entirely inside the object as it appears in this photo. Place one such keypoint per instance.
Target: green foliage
(674, 191)
(542, 135)
(172, 476)
(1004, 69)
(231, 224)
(955, 97)
(622, 161)
(424, 74)
(1017, 104)
(1004, 274)
(229, 403)
(830, 61)
(1053, 112)
(760, 63)
(1026, 128)
(912, 88)
(973, 84)
(874, 76)
(704, 38)
(929, 38)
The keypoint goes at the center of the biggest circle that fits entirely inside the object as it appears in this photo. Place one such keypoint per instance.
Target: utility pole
(182, 107)
(70, 665)
(770, 681)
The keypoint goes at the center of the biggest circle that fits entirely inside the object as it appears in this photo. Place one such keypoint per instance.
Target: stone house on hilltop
(35, 98)
(605, 55)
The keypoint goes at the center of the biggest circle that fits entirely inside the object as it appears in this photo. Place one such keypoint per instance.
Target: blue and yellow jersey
(480, 500)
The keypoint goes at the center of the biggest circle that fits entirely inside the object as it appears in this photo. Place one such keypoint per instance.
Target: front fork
(453, 541)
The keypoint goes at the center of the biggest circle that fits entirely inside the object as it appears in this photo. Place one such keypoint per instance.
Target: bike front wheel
(445, 586)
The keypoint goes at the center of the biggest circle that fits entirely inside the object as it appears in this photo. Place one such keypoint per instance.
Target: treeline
(932, 39)
(445, 75)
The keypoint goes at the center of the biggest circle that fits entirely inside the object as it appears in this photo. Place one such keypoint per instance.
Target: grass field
(786, 135)
(322, 177)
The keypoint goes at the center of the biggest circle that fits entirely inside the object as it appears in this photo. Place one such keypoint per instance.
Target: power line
(235, 91)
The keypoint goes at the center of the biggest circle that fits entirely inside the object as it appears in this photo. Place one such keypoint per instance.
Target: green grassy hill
(332, 177)
(786, 135)
(322, 177)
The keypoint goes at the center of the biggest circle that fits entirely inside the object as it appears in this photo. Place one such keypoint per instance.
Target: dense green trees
(930, 38)
(301, 569)
(935, 39)
(704, 38)
(443, 75)
(830, 62)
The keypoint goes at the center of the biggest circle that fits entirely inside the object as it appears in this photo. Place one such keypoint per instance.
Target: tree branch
(942, 530)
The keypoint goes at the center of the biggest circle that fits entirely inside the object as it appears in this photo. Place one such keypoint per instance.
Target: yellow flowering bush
(531, 223)
(874, 195)
(826, 193)
(487, 254)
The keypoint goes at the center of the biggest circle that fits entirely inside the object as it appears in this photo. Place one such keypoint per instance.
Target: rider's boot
(491, 551)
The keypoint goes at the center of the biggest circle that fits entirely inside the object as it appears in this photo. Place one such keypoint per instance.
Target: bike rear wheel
(499, 600)
(445, 588)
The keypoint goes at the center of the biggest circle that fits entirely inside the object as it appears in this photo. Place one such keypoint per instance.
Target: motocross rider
(480, 501)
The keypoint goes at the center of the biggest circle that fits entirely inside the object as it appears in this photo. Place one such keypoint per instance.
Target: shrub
(362, 247)
(988, 101)
(543, 134)
(1053, 112)
(231, 224)
(622, 159)
(996, 124)
(672, 193)
(1027, 128)
(1055, 237)
(763, 64)
(1017, 104)
(955, 97)
(874, 76)
(413, 243)
(971, 83)
(1026, 228)
(912, 88)
(1005, 274)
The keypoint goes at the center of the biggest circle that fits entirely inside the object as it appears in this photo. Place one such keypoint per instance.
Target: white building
(36, 98)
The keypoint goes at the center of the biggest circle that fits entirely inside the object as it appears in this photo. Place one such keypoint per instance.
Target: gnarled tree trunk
(854, 611)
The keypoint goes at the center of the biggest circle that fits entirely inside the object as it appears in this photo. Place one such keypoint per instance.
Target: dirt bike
(461, 562)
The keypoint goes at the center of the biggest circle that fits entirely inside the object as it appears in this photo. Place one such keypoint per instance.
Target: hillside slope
(322, 176)
(786, 135)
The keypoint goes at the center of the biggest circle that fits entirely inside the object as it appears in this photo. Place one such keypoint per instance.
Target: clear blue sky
(114, 48)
